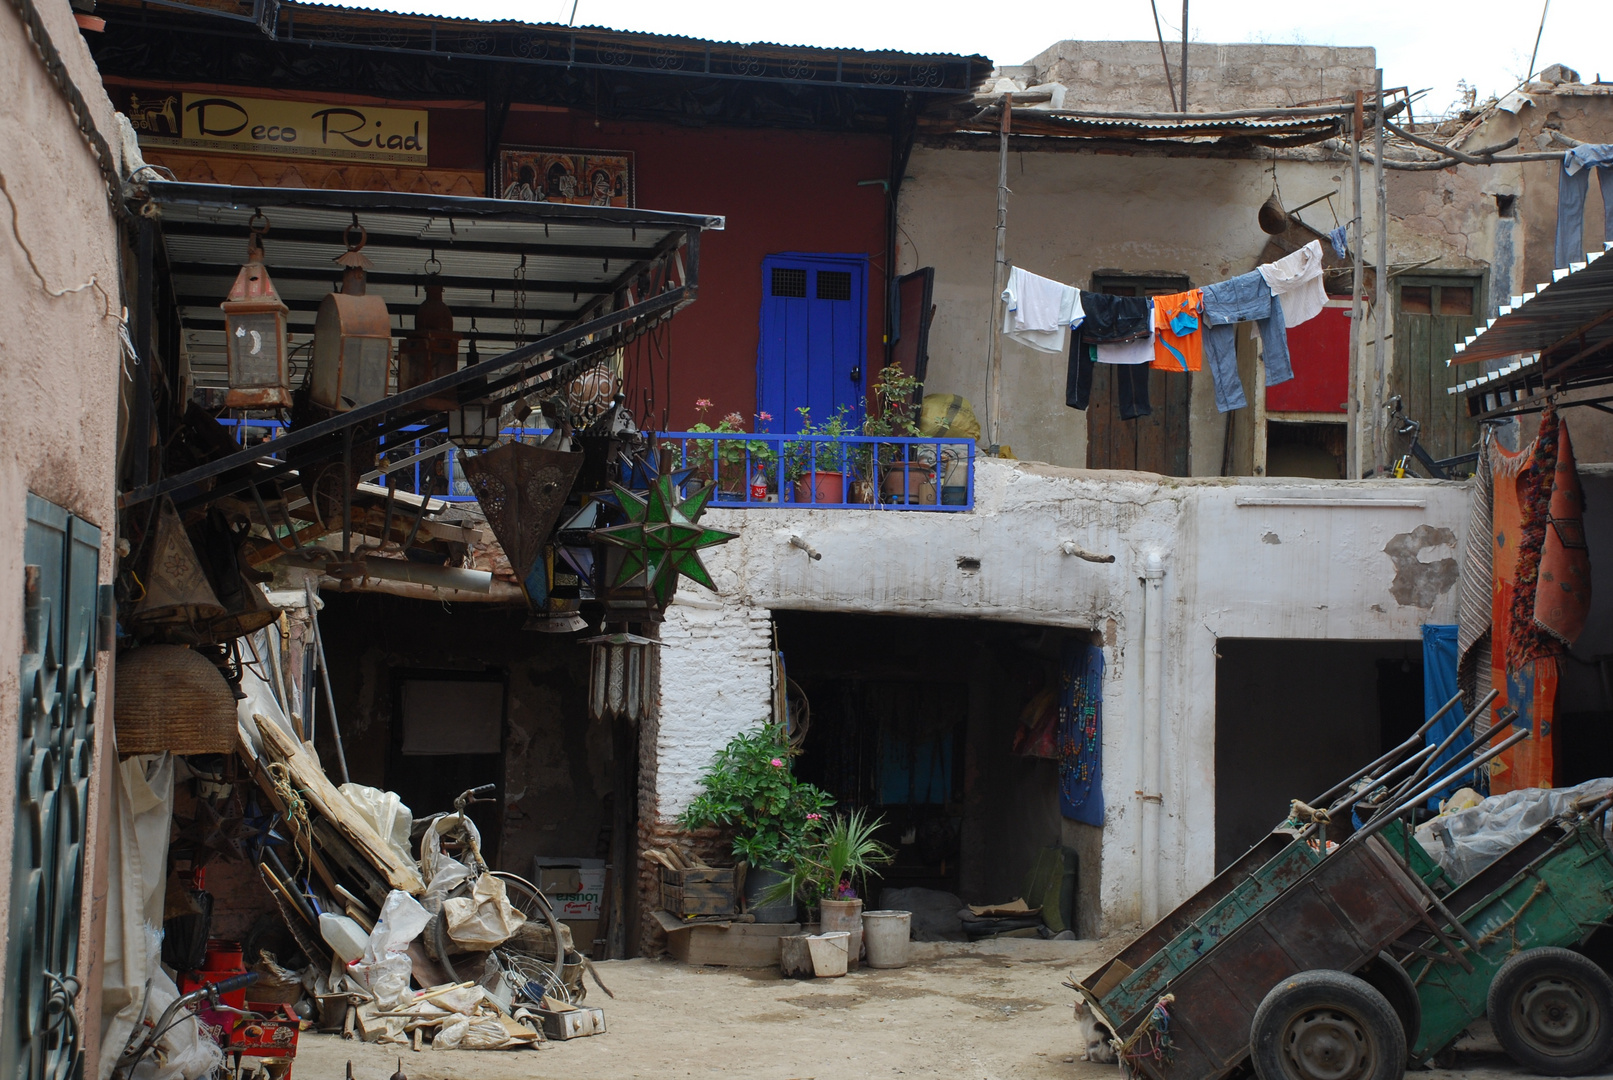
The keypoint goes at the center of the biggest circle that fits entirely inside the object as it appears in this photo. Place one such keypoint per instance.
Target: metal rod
(1183, 71)
(1383, 818)
(1412, 740)
(330, 698)
(1467, 721)
(1350, 796)
(994, 351)
(310, 692)
(1170, 83)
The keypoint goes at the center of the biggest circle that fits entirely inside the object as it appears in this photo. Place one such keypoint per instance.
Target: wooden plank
(311, 781)
(741, 945)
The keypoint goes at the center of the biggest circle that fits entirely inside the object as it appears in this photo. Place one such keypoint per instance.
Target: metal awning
(512, 270)
(548, 285)
(1558, 337)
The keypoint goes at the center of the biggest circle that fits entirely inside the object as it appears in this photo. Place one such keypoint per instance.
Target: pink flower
(703, 403)
(814, 817)
(777, 763)
(764, 416)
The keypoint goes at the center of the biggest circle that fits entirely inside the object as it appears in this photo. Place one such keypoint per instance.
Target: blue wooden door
(38, 1036)
(814, 338)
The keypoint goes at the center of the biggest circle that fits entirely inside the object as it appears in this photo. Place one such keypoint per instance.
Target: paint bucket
(885, 935)
(829, 953)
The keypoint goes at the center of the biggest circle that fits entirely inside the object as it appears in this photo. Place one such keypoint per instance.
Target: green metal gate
(39, 1035)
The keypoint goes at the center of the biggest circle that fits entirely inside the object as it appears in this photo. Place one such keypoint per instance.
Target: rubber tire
(1515, 979)
(523, 895)
(1385, 975)
(1348, 1001)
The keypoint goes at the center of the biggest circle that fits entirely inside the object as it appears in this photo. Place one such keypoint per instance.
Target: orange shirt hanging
(1178, 339)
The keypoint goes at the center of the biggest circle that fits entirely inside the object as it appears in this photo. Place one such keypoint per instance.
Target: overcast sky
(1420, 43)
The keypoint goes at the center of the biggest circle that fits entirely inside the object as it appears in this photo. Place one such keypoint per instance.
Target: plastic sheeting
(385, 967)
(1467, 841)
(386, 814)
(133, 984)
(483, 919)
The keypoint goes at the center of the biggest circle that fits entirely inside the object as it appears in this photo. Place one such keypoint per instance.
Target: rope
(52, 59)
(1511, 924)
(1151, 1041)
(296, 807)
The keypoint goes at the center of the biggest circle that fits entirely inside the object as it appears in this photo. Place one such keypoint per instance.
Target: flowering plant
(749, 787)
(829, 456)
(731, 452)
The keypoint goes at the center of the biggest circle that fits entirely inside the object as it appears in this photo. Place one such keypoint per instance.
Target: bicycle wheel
(529, 900)
(464, 966)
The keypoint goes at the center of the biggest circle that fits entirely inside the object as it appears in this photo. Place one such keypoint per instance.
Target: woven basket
(168, 697)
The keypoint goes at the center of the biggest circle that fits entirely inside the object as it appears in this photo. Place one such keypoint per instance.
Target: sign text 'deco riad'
(284, 128)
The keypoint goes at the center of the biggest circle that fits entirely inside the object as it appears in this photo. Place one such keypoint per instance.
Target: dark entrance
(1155, 443)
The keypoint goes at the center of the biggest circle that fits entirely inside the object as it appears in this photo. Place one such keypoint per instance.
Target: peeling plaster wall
(1233, 569)
(59, 378)
(1071, 215)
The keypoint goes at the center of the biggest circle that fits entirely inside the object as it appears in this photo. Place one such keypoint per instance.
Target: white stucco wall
(1232, 570)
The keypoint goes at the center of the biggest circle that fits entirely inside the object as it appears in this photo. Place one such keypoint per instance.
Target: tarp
(1439, 686)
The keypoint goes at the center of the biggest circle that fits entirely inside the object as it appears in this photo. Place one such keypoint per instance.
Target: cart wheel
(1552, 1011)
(1326, 1025)
(1385, 975)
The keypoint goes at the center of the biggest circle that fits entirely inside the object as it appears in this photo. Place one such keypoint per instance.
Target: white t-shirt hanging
(1140, 351)
(1039, 311)
(1296, 281)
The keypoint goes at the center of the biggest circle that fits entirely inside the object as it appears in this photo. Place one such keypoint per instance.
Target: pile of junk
(378, 925)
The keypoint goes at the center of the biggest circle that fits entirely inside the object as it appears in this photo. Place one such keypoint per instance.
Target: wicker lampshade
(168, 697)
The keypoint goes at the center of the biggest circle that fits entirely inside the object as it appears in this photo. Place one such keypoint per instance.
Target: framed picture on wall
(552, 174)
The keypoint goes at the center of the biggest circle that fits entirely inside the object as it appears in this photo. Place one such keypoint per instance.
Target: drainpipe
(1152, 730)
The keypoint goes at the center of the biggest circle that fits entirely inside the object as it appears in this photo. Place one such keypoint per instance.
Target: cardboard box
(574, 886)
(738, 945)
(583, 933)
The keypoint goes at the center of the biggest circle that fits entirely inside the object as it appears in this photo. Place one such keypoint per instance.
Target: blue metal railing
(829, 471)
(821, 471)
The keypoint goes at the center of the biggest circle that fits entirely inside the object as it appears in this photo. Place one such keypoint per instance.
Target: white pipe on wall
(1152, 730)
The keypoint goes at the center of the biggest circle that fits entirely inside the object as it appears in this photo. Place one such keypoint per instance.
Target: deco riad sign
(297, 129)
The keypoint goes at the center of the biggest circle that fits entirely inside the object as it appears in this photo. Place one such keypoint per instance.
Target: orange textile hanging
(1523, 660)
(1563, 591)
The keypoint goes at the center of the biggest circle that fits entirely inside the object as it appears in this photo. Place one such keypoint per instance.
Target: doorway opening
(1293, 718)
(915, 721)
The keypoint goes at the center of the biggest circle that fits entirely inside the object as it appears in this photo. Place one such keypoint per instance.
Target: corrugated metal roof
(646, 36)
(562, 256)
(1033, 121)
(1548, 335)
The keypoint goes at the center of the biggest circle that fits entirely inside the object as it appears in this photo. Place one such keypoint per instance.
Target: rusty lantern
(255, 336)
(431, 349)
(352, 337)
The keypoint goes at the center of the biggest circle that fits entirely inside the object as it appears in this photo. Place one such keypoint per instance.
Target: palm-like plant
(834, 865)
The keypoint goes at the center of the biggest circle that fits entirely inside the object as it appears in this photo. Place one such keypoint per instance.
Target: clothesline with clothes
(1174, 332)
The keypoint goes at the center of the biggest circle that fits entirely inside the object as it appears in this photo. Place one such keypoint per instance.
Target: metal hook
(347, 232)
(431, 260)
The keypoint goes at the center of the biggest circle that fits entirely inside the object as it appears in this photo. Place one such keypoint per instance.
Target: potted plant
(749, 788)
(732, 464)
(900, 475)
(817, 468)
(831, 868)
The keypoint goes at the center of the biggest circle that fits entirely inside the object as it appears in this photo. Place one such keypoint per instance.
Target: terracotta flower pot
(830, 488)
(919, 483)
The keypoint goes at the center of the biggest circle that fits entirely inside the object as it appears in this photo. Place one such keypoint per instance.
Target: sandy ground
(984, 1011)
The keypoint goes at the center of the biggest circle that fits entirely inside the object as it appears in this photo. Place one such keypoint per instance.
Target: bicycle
(1438, 468)
(147, 1035)
(520, 971)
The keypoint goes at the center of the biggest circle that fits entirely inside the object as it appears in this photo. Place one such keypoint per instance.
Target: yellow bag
(948, 416)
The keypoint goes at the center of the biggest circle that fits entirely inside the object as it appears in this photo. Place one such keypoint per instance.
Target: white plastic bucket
(885, 936)
(829, 953)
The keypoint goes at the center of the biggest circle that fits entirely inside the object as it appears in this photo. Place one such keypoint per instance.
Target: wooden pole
(1354, 449)
(1184, 55)
(998, 281)
(1170, 83)
(1380, 289)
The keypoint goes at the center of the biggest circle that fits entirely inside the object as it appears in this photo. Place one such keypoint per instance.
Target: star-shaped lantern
(661, 538)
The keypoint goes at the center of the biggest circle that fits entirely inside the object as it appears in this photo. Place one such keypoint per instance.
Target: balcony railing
(751, 471)
(829, 471)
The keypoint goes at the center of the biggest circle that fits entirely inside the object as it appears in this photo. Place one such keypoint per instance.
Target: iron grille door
(38, 1032)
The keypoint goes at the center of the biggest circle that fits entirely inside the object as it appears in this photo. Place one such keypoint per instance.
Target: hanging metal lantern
(177, 595)
(521, 490)
(255, 336)
(352, 337)
(431, 349)
(474, 425)
(622, 676)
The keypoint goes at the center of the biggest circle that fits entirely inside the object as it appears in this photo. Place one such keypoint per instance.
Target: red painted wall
(780, 191)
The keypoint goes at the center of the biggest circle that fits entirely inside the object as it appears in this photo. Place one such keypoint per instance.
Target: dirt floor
(983, 1011)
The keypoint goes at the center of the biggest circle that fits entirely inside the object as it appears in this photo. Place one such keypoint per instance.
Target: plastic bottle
(345, 937)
